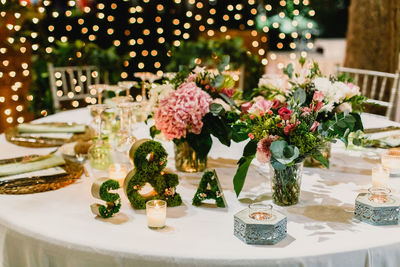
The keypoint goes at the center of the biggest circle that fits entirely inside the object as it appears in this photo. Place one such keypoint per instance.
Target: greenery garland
(215, 191)
(150, 159)
(113, 200)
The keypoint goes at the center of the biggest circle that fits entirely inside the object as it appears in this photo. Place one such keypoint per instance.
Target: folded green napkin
(51, 128)
(34, 164)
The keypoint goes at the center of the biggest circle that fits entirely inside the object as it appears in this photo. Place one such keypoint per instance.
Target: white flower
(158, 93)
(222, 103)
(328, 107)
(353, 90)
(343, 107)
(199, 70)
(274, 81)
(322, 84)
(337, 92)
(301, 78)
(281, 98)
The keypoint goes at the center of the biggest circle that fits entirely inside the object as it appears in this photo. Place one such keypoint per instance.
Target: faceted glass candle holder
(379, 194)
(260, 212)
(377, 207)
(260, 230)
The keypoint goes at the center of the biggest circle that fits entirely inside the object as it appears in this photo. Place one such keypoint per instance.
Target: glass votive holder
(380, 176)
(156, 211)
(117, 172)
(391, 161)
(379, 194)
(260, 211)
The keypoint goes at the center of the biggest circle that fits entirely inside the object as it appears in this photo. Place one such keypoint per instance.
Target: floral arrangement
(285, 125)
(194, 105)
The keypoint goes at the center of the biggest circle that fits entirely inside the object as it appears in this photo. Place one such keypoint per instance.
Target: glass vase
(285, 184)
(186, 158)
(313, 163)
(100, 154)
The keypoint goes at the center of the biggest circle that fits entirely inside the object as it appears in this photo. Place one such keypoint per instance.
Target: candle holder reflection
(379, 194)
(260, 212)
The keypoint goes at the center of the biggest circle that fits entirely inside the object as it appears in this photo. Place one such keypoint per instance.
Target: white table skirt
(57, 228)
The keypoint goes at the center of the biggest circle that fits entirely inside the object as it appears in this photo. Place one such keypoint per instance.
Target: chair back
(374, 84)
(71, 84)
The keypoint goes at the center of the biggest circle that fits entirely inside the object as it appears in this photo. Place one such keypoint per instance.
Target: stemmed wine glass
(127, 85)
(114, 88)
(146, 76)
(97, 111)
(99, 88)
(124, 137)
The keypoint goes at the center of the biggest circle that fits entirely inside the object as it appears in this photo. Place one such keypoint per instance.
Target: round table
(57, 228)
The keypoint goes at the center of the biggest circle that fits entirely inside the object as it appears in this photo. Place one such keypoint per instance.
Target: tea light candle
(117, 172)
(156, 211)
(380, 176)
(260, 212)
(391, 160)
(379, 195)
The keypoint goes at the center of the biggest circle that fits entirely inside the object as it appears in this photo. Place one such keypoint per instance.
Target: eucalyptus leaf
(217, 109)
(224, 63)
(300, 96)
(289, 70)
(218, 81)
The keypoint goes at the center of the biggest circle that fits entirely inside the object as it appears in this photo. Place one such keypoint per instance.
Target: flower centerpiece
(193, 106)
(296, 123)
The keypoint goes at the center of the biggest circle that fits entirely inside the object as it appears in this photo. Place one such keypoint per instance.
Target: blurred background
(124, 37)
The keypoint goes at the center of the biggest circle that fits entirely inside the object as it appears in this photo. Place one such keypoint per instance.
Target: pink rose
(285, 113)
(276, 104)
(228, 92)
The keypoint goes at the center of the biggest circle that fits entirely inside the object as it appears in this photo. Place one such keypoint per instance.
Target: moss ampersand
(100, 190)
(150, 159)
(209, 188)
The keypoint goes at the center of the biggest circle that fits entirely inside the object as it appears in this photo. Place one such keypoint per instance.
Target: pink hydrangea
(182, 111)
(263, 153)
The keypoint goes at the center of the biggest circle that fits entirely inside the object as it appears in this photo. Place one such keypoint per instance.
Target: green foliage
(151, 171)
(150, 166)
(244, 164)
(210, 51)
(284, 153)
(113, 199)
(215, 192)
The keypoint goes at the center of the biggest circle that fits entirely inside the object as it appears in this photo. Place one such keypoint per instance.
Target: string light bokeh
(144, 30)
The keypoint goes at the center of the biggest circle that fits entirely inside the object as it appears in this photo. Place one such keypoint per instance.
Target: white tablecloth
(57, 228)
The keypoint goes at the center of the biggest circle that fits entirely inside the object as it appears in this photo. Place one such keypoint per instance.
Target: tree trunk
(373, 43)
(373, 35)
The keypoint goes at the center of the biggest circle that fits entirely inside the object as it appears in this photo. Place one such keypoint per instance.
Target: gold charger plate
(38, 184)
(13, 136)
